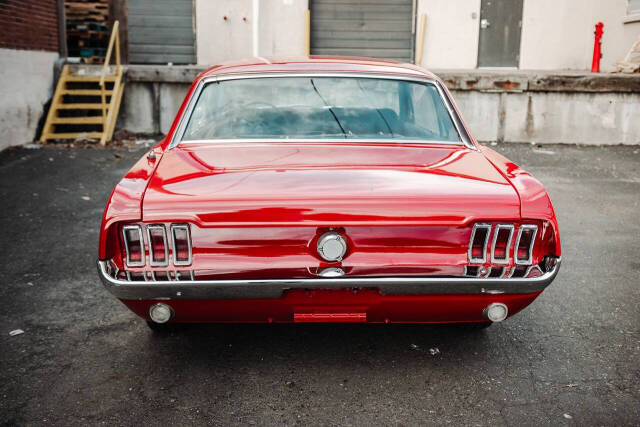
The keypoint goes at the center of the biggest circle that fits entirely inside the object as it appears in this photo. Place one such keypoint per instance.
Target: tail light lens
(501, 243)
(478, 243)
(181, 244)
(158, 248)
(524, 244)
(133, 245)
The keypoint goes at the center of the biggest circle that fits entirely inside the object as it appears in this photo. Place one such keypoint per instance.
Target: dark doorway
(500, 29)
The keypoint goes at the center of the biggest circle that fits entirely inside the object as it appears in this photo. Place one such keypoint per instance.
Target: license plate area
(329, 317)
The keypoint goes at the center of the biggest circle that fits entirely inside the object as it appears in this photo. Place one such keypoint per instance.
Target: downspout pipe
(255, 25)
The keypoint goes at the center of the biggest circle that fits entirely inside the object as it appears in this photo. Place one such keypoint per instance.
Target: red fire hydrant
(597, 48)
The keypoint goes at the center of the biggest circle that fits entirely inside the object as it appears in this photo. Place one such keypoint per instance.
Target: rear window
(320, 108)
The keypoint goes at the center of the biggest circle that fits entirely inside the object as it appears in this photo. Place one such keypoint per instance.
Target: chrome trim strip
(499, 227)
(320, 140)
(529, 260)
(476, 227)
(152, 261)
(175, 227)
(273, 288)
(457, 123)
(126, 246)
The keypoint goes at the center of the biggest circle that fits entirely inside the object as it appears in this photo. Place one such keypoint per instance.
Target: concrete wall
(26, 83)
(513, 106)
(543, 107)
(280, 29)
(572, 118)
(556, 35)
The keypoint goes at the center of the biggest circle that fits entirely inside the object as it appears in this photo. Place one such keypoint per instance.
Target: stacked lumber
(87, 29)
(87, 11)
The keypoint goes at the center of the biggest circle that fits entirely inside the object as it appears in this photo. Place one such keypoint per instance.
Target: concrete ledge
(539, 81)
(480, 80)
(163, 73)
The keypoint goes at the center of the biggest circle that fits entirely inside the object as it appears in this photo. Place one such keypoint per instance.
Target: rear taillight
(181, 244)
(133, 245)
(524, 244)
(501, 243)
(478, 243)
(158, 248)
(501, 237)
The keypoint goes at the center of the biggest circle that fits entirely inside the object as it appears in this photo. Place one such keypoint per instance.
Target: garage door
(161, 31)
(375, 28)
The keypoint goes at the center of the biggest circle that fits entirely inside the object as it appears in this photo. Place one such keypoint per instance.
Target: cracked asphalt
(572, 357)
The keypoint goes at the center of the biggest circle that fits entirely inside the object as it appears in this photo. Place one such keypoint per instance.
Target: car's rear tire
(475, 326)
(157, 328)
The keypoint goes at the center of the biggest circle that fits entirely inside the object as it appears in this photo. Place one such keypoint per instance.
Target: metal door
(376, 28)
(500, 29)
(161, 31)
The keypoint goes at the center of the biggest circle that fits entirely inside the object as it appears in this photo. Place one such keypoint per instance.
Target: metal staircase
(85, 102)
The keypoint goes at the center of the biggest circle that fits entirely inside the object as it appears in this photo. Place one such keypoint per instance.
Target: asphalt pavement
(572, 357)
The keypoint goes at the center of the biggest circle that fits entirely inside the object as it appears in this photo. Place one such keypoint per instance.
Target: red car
(325, 189)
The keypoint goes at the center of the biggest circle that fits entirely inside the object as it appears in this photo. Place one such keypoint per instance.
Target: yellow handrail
(113, 40)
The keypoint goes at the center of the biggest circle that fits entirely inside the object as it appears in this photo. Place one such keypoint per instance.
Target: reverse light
(181, 244)
(496, 312)
(133, 245)
(160, 313)
(158, 248)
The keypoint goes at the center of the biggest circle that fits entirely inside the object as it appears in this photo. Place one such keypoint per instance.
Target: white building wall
(281, 29)
(556, 35)
(26, 84)
(451, 33)
(559, 34)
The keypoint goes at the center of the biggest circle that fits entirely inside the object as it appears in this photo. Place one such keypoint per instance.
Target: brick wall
(29, 24)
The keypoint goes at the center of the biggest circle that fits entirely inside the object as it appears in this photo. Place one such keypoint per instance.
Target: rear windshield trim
(184, 120)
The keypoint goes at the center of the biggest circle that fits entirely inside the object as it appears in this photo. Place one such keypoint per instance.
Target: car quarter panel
(125, 201)
(534, 200)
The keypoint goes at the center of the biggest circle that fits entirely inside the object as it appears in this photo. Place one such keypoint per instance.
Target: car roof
(329, 64)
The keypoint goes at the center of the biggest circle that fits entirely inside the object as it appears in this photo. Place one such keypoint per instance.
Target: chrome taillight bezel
(152, 261)
(483, 259)
(128, 260)
(529, 260)
(507, 251)
(185, 227)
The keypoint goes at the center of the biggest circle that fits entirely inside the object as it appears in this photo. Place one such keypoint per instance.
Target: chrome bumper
(273, 288)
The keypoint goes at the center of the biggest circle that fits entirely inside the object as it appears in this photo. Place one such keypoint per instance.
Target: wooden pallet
(86, 11)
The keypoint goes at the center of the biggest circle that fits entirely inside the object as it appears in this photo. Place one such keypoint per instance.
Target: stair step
(80, 78)
(74, 135)
(97, 120)
(91, 92)
(94, 106)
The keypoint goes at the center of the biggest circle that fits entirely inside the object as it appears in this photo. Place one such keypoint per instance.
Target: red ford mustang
(325, 190)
